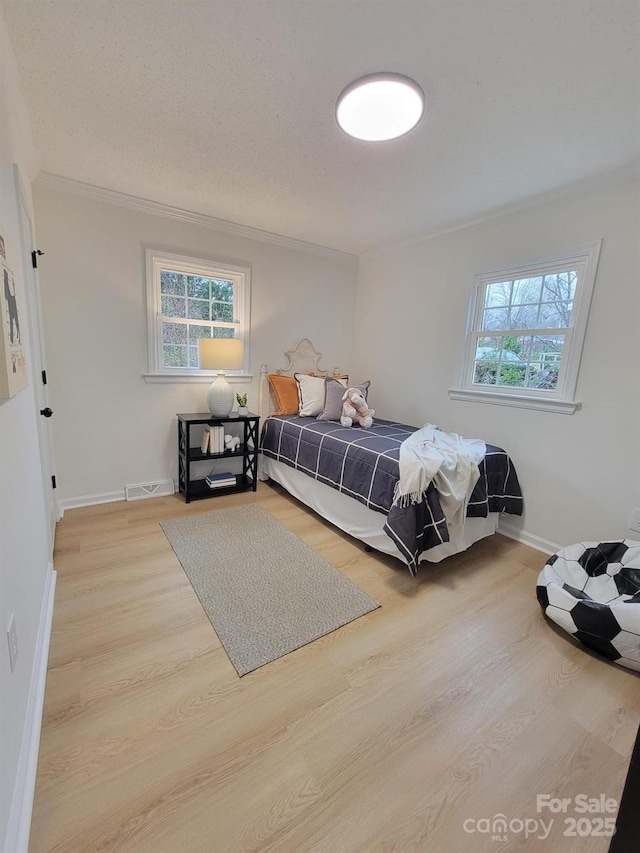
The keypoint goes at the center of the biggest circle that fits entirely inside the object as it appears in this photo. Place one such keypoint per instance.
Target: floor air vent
(140, 491)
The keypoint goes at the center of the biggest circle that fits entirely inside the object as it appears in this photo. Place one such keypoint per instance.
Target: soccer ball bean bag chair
(592, 591)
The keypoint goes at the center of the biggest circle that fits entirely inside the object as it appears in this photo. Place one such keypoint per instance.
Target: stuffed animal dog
(354, 408)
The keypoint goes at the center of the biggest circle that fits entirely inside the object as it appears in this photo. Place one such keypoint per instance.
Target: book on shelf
(216, 440)
(224, 485)
(213, 441)
(226, 475)
(221, 481)
(204, 445)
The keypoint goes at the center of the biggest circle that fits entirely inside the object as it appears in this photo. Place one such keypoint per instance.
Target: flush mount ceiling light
(380, 106)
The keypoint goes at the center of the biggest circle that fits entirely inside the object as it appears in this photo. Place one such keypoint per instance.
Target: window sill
(193, 378)
(519, 401)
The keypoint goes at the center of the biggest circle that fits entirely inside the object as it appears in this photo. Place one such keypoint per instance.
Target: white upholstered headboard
(301, 358)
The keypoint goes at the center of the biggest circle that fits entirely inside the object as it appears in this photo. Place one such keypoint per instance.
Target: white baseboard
(91, 500)
(19, 825)
(112, 497)
(537, 542)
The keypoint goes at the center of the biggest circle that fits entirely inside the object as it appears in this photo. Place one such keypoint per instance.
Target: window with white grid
(526, 332)
(190, 298)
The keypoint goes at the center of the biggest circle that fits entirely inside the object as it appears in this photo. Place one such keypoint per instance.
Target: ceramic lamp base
(220, 397)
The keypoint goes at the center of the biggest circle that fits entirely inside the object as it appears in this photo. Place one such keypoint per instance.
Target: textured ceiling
(226, 107)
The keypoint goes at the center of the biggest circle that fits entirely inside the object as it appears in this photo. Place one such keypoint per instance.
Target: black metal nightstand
(188, 453)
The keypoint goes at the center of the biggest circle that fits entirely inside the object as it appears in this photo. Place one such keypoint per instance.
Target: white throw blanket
(448, 459)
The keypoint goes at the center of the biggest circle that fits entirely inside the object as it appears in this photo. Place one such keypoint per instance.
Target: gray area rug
(265, 591)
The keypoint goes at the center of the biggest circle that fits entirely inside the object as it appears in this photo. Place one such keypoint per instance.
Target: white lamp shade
(220, 353)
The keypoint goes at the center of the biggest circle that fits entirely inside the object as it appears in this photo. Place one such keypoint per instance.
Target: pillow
(311, 393)
(334, 391)
(285, 390)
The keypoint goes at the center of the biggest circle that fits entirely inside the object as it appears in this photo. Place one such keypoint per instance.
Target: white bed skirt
(357, 520)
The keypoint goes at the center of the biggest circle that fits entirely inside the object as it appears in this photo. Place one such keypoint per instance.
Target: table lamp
(220, 354)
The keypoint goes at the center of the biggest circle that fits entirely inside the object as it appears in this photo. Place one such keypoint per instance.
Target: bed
(348, 476)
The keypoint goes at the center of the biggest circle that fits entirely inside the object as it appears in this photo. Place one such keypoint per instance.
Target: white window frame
(157, 260)
(584, 260)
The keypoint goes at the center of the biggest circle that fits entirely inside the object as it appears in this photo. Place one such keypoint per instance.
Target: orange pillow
(285, 390)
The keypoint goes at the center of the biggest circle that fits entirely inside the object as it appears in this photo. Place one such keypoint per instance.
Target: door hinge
(34, 257)
(53, 481)
(44, 377)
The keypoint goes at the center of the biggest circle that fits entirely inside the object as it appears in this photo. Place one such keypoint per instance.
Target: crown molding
(143, 205)
(589, 186)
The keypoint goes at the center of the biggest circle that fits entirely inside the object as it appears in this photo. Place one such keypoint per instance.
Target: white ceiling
(226, 107)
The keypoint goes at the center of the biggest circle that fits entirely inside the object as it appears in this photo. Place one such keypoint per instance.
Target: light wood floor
(454, 700)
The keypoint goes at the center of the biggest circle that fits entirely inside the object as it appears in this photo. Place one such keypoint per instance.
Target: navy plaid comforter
(364, 464)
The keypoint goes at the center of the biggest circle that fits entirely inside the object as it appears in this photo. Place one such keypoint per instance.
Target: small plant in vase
(242, 404)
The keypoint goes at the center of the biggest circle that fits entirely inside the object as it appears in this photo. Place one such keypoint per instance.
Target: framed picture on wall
(13, 363)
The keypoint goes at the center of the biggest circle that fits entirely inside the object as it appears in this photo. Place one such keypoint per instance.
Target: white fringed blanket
(448, 459)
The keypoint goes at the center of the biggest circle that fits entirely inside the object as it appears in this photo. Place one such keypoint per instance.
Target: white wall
(110, 428)
(23, 529)
(580, 474)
